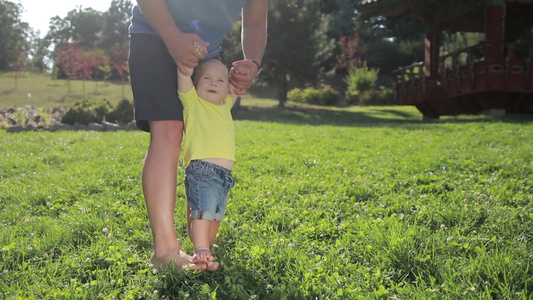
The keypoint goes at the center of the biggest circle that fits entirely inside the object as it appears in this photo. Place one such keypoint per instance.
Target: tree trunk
(283, 86)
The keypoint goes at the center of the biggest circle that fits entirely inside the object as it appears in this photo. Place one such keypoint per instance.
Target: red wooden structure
(496, 73)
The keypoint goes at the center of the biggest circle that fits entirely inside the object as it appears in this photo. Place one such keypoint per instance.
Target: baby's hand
(201, 49)
(242, 69)
(185, 71)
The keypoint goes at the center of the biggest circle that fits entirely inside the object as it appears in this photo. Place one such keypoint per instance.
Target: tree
(231, 45)
(343, 17)
(91, 61)
(119, 62)
(351, 54)
(75, 62)
(82, 25)
(115, 29)
(300, 47)
(391, 42)
(38, 52)
(17, 65)
(68, 58)
(13, 34)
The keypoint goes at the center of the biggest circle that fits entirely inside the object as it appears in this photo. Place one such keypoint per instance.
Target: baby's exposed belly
(226, 163)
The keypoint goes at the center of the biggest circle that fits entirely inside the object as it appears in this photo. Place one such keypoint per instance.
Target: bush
(102, 110)
(325, 96)
(123, 112)
(85, 113)
(381, 96)
(79, 115)
(296, 95)
(360, 80)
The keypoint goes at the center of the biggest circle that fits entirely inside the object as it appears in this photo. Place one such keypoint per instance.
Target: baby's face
(212, 84)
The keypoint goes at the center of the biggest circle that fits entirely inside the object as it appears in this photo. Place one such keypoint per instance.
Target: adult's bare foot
(212, 266)
(178, 258)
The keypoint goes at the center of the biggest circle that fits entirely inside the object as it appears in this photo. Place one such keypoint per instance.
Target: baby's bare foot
(179, 258)
(204, 256)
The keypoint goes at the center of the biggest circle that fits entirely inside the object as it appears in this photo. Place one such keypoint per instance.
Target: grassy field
(42, 91)
(356, 203)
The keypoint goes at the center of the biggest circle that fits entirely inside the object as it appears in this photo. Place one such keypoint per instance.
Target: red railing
(486, 66)
(409, 83)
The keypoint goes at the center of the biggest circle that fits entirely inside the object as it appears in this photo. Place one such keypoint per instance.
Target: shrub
(360, 80)
(85, 113)
(296, 95)
(102, 110)
(79, 114)
(123, 112)
(325, 96)
(381, 96)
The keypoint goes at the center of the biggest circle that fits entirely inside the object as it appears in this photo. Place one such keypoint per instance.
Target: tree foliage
(13, 34)
(83, 25)
(17, 65)
(115, 28)
(297, 49)
(119, 62)
(77, 63)
(299, 46)
(391, 42)
(38, 50)
(91, 29)
(343, 17)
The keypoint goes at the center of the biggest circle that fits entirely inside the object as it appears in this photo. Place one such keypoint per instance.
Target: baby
(209, 151)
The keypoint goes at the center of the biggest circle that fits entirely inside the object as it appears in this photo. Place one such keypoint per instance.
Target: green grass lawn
(356, 203)
(42, 91)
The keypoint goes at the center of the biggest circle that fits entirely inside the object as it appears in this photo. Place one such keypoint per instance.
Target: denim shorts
(207, 186)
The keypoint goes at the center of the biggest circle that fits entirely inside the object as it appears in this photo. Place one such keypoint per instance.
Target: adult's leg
(159, 180)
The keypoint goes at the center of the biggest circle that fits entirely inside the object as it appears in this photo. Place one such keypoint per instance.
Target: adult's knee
(168, 133)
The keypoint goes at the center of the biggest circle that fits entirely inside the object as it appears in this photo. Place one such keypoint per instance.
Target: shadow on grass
(231, 281)
(366, 117)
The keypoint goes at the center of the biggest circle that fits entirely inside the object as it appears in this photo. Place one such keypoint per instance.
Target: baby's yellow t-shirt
(209, 130)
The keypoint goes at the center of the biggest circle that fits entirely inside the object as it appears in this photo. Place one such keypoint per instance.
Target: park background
(339, 194)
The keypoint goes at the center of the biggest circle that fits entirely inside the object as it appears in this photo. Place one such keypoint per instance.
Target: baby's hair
(198, 68)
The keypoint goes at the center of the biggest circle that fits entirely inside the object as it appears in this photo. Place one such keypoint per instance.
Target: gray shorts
(154, 84)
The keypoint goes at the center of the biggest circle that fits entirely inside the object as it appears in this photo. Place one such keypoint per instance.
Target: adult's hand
(187, 49)
(181, 46)
(241, 81)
